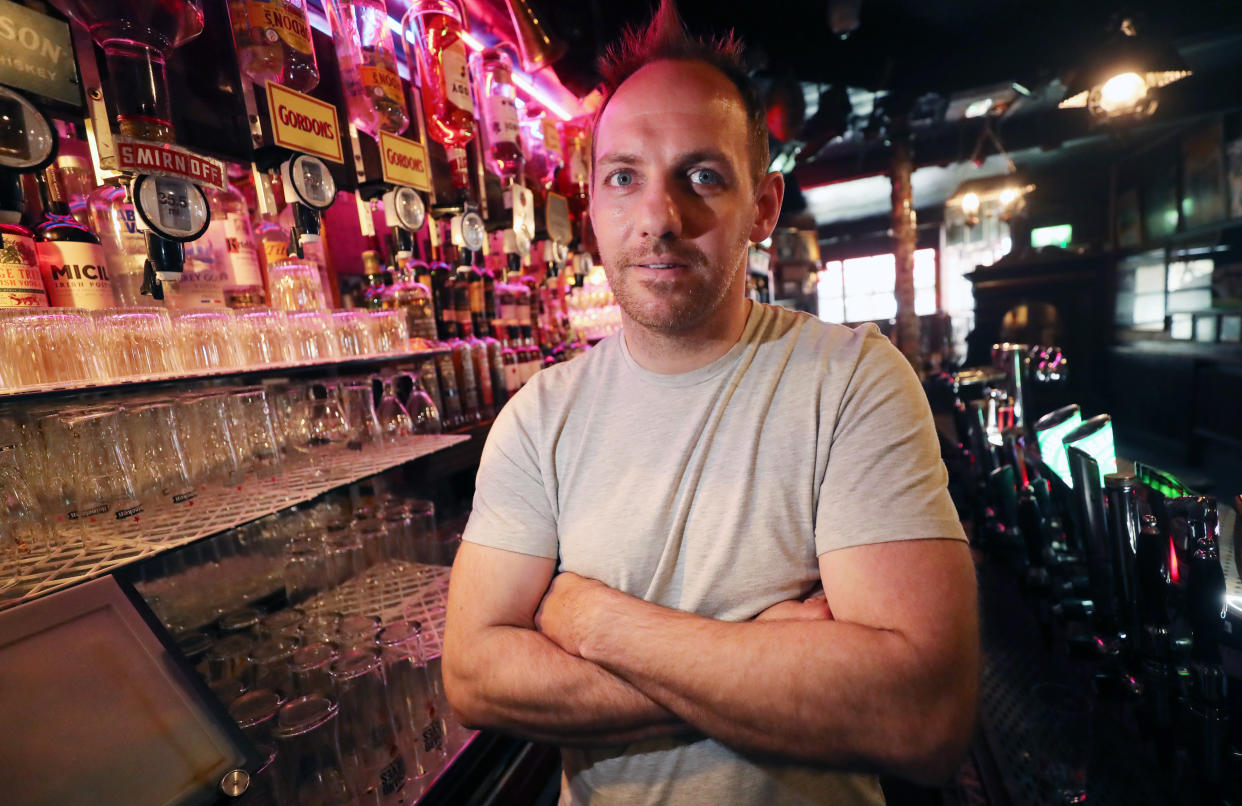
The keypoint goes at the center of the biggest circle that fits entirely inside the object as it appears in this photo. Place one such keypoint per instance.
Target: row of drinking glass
(72, 473)
(68, 345)
(342, 709)
(304, 550)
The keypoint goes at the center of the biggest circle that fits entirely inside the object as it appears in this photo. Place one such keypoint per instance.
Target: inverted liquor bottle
(541, 142)
(438, 26)
(21, 284)
(364, 49)
(493, 78)
(137, 36)
(71, 259)
(273, 41)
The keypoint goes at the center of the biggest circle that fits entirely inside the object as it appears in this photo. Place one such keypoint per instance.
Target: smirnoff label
(75, 274)
(239, 246)
(456, 79)
(502, 119)
(279, 20)
(21, 284)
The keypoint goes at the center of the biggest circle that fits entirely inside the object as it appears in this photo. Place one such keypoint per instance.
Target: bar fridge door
(100, 708)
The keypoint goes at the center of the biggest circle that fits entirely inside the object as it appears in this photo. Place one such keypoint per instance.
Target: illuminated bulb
(970, 203)
(1008, 196)
(1122, 92)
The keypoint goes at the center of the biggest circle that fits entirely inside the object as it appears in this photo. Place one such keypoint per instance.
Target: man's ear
(771, 193)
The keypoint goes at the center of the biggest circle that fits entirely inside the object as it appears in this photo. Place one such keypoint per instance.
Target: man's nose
(658, 215)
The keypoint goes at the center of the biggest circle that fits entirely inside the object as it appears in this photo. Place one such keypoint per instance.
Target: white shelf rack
(213, 510)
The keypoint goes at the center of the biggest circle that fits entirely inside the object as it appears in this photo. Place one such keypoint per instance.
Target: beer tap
(1206, 697)
(310, 185)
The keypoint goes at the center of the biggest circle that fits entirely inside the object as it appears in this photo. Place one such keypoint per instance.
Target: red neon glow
(1174, 573)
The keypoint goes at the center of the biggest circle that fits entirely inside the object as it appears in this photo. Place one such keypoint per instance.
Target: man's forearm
(516, 680)
(823, 691)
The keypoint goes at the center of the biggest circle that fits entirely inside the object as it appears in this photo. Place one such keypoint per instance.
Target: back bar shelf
(106, 547)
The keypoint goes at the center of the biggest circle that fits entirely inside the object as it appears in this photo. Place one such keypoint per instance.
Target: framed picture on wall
(1203, 175)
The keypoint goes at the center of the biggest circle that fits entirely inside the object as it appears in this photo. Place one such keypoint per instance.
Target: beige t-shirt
(713, 492)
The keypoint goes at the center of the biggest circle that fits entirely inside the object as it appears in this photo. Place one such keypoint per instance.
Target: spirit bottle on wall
(71, 260)
(442, 65)
(273, 40)
(364, 48)
(21, 283)
(493, 78)
(137, 36)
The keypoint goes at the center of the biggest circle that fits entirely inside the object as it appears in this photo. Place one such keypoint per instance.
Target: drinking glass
(206, 339)
(291, 405)
(357, 633)
(328, 426)
(90, 445)
(47, 347)
(269, 661)
(161, 470)
(312, 336)
(229, 658)
(304, 573)
(310, 669)
(320, 625)
(394, 420)
(136, 343)
(375, 541)
(423, 413)
(255, 713)
(391, 331)
(251, 427)
(353, 334)
(24, 534)
(266, 338)
(364, 427)
(203, 424)
(295, 286)
(239, 622)
(430, 381)
(368, 736)
(421, 531)
(420, 725)
(343, 558)
(282, 623)
(308, 756)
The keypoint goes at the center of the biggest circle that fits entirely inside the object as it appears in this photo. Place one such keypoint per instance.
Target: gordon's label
(404, 162)
(379, 75)
(21, 284)
(502, 119)
(163, 159)
(75, 275)
(281, 21)
(551, 136)
(239, 246)
(303, 123)
(456, 79)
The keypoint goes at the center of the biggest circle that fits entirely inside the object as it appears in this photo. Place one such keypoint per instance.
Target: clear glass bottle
(463, 368)
(543, 158)
(409, 295)
(482, 370)
(364, 48)
(493, 78)
(137, 36)
(442, 65)
(273, 42)
(373, 296)
(244, 287)
(21, 283)
(125, 247)
(71, 259)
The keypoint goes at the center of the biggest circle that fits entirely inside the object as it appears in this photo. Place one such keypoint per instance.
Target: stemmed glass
(394, 420)
(422, 411)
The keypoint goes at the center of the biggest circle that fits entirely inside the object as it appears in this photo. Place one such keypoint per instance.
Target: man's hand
(564, 613)
(813, 608)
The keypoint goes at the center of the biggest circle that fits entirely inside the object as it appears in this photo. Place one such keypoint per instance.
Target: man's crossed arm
(884, 681)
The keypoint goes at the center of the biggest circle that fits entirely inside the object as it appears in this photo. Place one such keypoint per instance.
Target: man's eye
(705, 176)
(620, 178)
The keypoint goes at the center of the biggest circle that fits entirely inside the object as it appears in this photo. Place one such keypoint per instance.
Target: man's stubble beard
(688, 312)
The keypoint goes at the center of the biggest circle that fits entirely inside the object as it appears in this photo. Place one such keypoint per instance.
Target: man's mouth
(659, 266)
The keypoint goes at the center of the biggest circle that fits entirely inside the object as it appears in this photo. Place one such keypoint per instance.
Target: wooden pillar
(904, 240)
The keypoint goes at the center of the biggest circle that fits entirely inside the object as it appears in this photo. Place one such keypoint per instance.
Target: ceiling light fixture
(1118, 81)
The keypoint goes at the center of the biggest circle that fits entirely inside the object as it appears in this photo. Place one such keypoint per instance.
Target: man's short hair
(665, 39)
